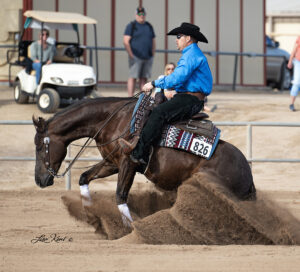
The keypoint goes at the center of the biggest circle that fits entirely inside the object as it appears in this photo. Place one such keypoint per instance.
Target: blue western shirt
(192, 73)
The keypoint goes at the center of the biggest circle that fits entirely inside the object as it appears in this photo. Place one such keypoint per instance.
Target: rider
(191, 79)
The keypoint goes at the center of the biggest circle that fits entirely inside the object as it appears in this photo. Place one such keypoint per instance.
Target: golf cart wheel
(20, 96)
(48, 101)
(93, 94)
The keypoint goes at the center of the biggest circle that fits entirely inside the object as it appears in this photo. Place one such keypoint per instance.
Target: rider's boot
(128, 146)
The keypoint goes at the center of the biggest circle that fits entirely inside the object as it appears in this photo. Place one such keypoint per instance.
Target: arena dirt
(46, 230)
(204, 213)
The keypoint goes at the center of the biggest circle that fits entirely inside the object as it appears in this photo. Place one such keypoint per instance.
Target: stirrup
(127, 146)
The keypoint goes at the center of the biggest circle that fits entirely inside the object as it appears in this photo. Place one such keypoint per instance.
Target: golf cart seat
(60, 56)
(74, 51)
(67, 53)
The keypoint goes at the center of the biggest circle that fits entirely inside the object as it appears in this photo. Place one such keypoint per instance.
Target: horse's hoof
(126, 222)
(86, 201)
(125, 214)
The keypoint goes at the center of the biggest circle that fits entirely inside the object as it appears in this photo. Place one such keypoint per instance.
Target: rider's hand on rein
(148, 87)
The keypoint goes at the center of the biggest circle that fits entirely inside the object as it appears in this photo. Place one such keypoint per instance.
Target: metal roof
(59, 17)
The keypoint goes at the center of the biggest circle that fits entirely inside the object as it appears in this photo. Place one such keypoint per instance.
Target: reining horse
(106, 120)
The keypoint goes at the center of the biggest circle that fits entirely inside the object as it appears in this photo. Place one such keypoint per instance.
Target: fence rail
(236, 56)
(248, 125)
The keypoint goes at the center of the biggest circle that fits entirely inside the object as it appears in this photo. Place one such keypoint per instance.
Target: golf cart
(66, 79)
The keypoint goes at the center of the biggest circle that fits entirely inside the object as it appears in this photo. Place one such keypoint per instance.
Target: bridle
(53, 173)
(46, 142)
(50, 170)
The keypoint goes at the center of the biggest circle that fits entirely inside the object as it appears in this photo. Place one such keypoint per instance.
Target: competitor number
(201, 148)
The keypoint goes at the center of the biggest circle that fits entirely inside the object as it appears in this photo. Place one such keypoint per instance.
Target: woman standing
(295, 60)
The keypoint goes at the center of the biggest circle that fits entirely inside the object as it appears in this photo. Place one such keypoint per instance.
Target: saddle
(198, 125)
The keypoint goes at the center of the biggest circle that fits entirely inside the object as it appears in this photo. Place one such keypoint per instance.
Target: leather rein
(46, 142)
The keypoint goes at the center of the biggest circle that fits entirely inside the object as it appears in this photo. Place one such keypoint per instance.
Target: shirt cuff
(153, 83)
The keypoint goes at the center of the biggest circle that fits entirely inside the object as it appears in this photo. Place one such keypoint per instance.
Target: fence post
(249, 143)
(235, 71)
(91, 56)
(68, 174)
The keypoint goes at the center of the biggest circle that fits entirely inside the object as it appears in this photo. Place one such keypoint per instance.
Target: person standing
(295, 60)
(192, 81)
(139, 42)
(35, 52)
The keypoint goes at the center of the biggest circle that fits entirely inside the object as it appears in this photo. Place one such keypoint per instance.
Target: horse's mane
(84, 103)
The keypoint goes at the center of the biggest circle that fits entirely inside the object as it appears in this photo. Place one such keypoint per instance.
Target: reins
(89, 140)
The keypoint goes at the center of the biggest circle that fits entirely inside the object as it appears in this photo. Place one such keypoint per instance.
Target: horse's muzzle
(45, 181)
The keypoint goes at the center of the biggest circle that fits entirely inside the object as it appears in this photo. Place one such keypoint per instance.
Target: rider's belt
(201, 96)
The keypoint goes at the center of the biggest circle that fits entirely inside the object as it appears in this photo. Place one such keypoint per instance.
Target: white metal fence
(248, 125)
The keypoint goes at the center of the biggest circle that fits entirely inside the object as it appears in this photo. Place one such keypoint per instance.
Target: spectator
(295, 60)
(35, 51)
(139, 42)
(169, 69)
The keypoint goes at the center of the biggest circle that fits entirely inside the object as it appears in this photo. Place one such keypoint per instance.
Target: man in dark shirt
(139, 42)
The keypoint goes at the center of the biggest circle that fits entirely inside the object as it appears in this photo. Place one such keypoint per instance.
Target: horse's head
(50, 152)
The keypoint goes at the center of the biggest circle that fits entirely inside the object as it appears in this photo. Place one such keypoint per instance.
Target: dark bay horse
(106, 119)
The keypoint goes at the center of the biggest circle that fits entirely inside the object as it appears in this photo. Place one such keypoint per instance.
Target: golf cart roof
(55, 20)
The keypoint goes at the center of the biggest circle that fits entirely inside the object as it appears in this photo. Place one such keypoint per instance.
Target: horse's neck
(71, 127)
(82, 122)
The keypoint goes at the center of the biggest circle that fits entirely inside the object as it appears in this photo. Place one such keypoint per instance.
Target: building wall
(284, 28)
(11, 22)
(253, 40)
(228, 25)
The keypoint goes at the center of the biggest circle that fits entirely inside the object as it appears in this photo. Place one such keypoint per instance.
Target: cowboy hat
(189, 30)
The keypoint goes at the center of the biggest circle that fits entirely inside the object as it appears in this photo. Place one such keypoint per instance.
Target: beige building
(230, 25)
(11, 22)
(284, 28)
(283, 22)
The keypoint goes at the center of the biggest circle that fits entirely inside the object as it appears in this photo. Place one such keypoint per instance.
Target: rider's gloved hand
(148, 87)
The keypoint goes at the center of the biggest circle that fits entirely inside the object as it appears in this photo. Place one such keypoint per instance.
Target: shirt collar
(189, 47)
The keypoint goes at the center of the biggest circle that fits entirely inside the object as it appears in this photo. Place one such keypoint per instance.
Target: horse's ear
(40, 124)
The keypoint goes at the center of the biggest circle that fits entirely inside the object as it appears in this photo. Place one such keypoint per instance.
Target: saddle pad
(200, 145)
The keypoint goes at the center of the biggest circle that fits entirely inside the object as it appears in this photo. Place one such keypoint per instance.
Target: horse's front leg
(125, 179)
(100, 170)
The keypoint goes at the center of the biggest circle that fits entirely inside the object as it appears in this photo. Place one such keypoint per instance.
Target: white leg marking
(85, 192)
(126, 217)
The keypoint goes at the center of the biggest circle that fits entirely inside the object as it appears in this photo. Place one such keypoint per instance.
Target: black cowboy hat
(189, 30)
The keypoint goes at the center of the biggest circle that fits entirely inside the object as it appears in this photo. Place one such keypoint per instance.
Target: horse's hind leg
(100, 170)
